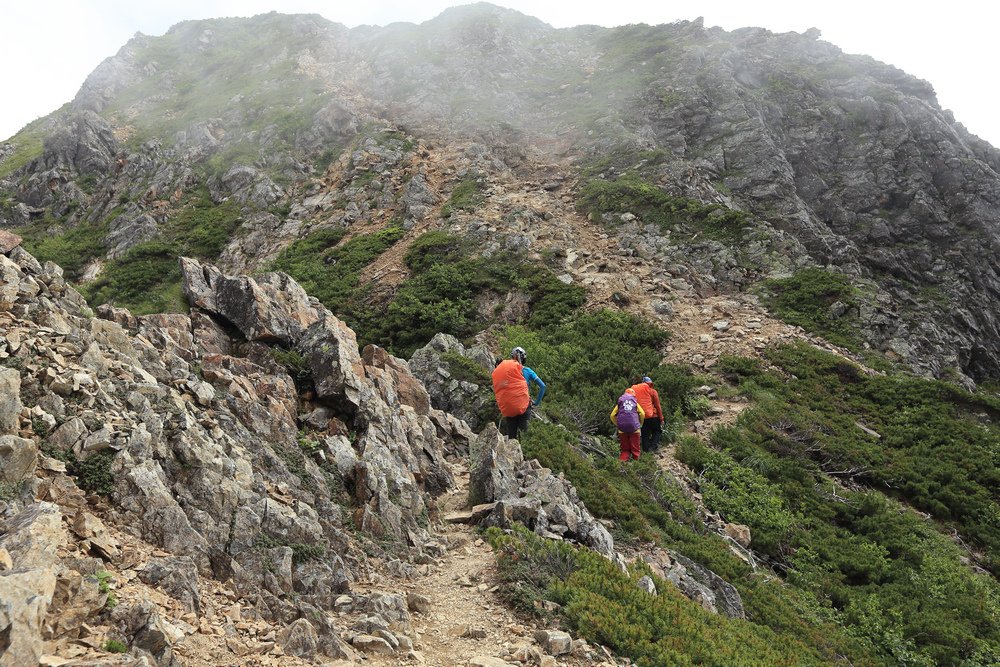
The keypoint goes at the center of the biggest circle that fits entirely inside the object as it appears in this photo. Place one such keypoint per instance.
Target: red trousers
(630, 444)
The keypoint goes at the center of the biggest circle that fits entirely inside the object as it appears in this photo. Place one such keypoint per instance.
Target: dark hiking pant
(514, 425)
(652, 433)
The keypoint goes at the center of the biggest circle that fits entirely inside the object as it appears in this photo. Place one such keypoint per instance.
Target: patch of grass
(104, 579)
(202, 228)
(147, 279)
(630, 193)
(804, 299)
(466, 196)
(301, 552)
(115, 646)
(28, 145)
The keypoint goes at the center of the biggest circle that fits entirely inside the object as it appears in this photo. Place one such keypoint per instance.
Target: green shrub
(94, 473)
(466, 196)
(9, 491)
(443, 291)
(605, 605)
(115, 646)
(329, 271)
(203, 228)
(697, 406)
(147, 279)
(295, 364)
(629, 193)
(804, 299)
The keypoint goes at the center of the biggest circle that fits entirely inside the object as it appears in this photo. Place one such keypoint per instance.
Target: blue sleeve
(531, 376)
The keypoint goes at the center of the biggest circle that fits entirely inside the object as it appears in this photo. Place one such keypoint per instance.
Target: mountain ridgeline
(831, 160)
(798, 245)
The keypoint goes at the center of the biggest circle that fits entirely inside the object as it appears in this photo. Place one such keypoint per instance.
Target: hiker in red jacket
(628, 417)
(652, 427)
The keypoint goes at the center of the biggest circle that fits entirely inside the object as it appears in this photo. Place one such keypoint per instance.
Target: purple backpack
(627, 419)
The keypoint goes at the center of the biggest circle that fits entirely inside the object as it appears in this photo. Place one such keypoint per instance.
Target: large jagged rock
(450, 388)
(17, 459)
(177, 577)
(141, 627)
(10, 401)
(249, 186)
(494, 462)
(31, 538)
(526, 493)
(331, 352)
(697, 582)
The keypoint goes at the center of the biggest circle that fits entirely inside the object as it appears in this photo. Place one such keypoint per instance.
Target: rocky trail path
(458, 615)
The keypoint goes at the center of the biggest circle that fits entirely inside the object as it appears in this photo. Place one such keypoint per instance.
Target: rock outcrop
(519, 491)
(203, 446)
(457, 379)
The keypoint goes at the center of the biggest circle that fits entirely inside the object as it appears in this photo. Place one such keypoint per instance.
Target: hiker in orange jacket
(628, 416)
(510, 385)
(652, 427)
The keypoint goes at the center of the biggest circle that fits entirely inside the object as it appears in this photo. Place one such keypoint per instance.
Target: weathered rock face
(524, 492)
(697, 582)
(205, 447)
(40, 598)
(456, 389)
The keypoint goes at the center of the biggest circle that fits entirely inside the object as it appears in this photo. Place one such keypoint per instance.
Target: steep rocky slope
(205, 410)
(838, 160)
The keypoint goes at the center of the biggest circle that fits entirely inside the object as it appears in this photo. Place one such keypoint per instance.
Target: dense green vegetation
(202, 228)
(805, 298)
(811, 483)
(147, 279)
(447, 287)
(330, 272)
(71, 249)
(630, 193)
(603, 603)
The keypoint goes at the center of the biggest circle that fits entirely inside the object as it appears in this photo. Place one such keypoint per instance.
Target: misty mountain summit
(257, 273)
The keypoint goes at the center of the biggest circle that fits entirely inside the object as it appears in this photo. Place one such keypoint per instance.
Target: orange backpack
(510, 388)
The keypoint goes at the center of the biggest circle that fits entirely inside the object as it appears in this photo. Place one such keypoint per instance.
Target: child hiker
(628, 417)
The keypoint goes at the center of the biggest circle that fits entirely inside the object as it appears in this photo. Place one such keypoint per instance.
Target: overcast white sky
(48, 47)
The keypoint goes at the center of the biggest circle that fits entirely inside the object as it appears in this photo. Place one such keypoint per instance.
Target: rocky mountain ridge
(207, 406)
(838, 160)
